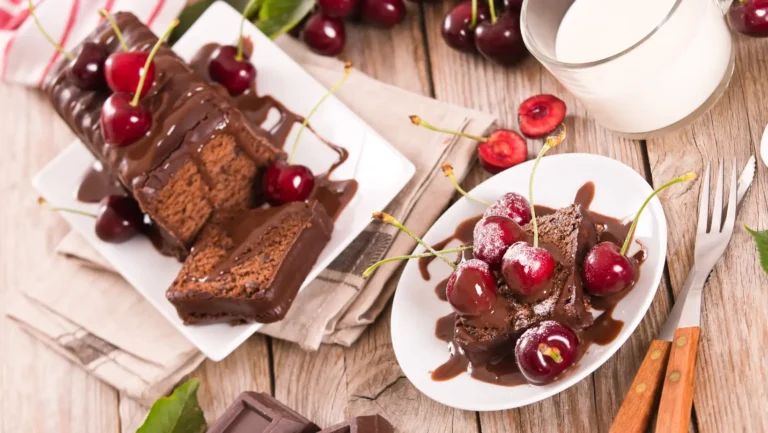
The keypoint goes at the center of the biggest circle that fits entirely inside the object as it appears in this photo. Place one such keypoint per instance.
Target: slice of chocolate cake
(567, 234)
(249, 268)
(199, 159)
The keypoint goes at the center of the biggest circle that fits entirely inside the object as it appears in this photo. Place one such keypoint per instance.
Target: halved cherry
(504, 149)
(541, 114)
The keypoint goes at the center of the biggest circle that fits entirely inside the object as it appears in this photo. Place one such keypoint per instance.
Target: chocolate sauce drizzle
(334, 195)
(504, 371)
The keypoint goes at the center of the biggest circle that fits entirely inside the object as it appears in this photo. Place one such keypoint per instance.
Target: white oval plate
(619, 191)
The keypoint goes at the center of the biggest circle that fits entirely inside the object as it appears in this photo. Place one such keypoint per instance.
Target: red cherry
(545, 351)
(471, 289)
(119, 219)
(749, 17)
(338, 8)
(285, 183)
(225, 69)
(123, 123)
(606, 271)
(493, 236)
(511, 205)
(87, 69)
(541, 114)
(456, 29)
(504, 149)
(382, 13)
(527, 270)
(501, 42)
(325, 35)
(123, 71)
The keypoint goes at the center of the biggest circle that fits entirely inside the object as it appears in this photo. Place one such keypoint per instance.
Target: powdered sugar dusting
(511, 205)
(491, 239)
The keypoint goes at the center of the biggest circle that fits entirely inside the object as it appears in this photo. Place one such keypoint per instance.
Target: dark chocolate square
(257, 412)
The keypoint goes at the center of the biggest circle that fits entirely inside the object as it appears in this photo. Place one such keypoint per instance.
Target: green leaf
(280, 16)
(179, 413)
(187, 17)
(761, 240)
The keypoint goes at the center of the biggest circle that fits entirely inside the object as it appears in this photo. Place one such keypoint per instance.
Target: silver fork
(683, 325)
(679, 338)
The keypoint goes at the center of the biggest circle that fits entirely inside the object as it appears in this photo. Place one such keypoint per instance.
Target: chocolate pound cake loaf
(249, 268)
(568, 234)
(199, 159)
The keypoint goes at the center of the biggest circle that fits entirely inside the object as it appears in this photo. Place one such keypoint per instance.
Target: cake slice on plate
(250, 267)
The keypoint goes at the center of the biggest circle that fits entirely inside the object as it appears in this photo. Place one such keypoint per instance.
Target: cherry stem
(683, 178)
(389, 219)
(151, 56)
(44, 203)
(551, 141)
(473, 23)
(48, 37)
(552, 352)
(246, 12)
(103, 12)
(448, 172)
(347, 73)
(418, 121)
(376, 265)
(492, 7)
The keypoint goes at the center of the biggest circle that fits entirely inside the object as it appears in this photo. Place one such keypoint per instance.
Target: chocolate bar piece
(257, 412)
(362, 424)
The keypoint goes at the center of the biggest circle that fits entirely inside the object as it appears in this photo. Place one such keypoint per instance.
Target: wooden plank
(41, 391)
(335, 383)
(729, 394)
(471, 81)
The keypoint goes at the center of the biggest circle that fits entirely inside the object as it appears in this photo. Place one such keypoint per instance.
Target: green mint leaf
(761, 240)
(179, 413)
(187, 17)
(280, 16)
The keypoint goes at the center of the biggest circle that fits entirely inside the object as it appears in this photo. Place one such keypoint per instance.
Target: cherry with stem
(86, 69)
(528, 269)
(117, 220)
(124, 70)
(607, 269)
(230, 66)
(503, 149)
(123, 119)
(500, 39)
(286, 182)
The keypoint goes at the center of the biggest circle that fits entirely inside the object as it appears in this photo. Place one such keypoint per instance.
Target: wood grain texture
(677, 393)
(636, 410)
(731, 394)
(39, 390)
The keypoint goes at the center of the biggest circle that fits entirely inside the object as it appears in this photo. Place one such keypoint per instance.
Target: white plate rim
(654, 208)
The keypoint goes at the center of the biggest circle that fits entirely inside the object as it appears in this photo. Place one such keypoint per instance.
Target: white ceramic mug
(657, 68)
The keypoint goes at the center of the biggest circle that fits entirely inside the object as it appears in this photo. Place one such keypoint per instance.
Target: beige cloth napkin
(98, 321)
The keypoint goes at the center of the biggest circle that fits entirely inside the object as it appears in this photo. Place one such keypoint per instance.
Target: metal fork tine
(730, 218)
(717, 209)
(704, 202)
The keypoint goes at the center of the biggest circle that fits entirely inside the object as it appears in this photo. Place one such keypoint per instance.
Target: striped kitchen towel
(25, 54)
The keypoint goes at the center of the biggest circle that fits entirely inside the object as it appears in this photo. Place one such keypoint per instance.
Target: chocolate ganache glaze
(484, 345)
(335, 195)
(188, 116)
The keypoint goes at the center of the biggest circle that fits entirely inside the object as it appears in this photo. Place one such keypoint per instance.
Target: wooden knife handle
(635, 412)
(677, 394)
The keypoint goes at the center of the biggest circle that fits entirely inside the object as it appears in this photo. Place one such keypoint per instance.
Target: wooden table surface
(42, 392)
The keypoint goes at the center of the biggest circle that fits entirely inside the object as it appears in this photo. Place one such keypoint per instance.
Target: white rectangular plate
(379, 168)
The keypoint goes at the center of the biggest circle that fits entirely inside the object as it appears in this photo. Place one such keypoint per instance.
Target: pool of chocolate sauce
(505, 372)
